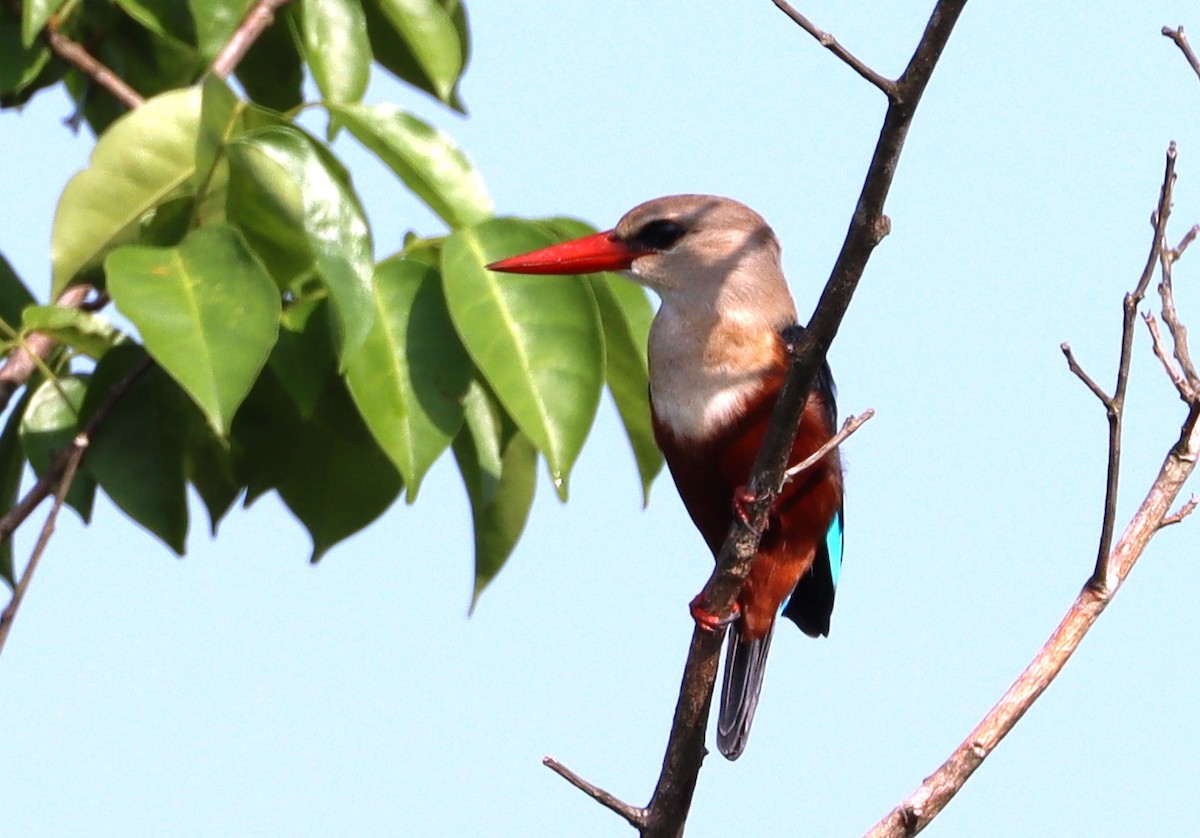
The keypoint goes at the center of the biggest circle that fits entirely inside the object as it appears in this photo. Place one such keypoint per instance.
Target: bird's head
(690, 249)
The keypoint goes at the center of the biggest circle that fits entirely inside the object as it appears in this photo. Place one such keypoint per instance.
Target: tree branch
(1115, 404)
(919, 808)
(257, 21)
(23, 360)
(73, 53)
(852, 424)
(1181, 41)
(70, 468)
(671, 800)
(56, 479)
(830, 43)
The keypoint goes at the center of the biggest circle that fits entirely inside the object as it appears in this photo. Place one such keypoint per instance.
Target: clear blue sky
(242, 692)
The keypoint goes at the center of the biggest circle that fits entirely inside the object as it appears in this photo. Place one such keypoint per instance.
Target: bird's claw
(708, 620)
(742, 498)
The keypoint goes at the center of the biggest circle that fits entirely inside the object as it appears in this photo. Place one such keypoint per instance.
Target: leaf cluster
(286, 357)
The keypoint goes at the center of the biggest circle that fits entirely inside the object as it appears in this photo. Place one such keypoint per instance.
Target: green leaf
(14, 297)
(49, 424)
(208, 463)
(207, 311)
(12, 465)
(137, 453)
(19, 64)
(272, 73)
(537, 340)
(409, 379)
(422, 42)
(428, 161)
(34, 14)
(626, 313)
(136, 165)
(263, 438)
(168, 18)
(88, 333)
(334, 34)
(216, 21)
(287, 185)
(498, 469)
(339, 480)
(303, 356)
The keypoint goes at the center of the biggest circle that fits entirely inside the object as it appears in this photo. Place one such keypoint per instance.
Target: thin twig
(830, 43)
(852, 424)
(1163, 354)
(634, 814)
(1170, 316)
(1079, 371)
(257, 21)
(70, 469)
(73, 53)
(1115, 404)
(1175, 517)
(1181, 41)
(57, 479)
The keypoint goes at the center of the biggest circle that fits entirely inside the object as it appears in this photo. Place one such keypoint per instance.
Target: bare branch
(830, 43)
(1181, 41)
(1073, 365)
(70, 468)
(257, 20)
(73, 53)
(1187, 509)
(1186, 391)
(1116, 406)
(852, 424)
(1170, 316)
(919, 808)
(57, 479)
(634, 814)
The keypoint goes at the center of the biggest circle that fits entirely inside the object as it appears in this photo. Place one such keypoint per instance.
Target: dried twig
(1181, 41)
(70, 468)
(852, 424)
(830, 43)
(919, 808)
(1115, 404)
(73, 53)
(667, 811)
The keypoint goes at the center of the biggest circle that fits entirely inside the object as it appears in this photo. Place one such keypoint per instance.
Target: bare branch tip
(1184, 511)
(635, 815)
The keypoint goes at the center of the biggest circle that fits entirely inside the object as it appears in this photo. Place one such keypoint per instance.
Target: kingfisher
(717, 360)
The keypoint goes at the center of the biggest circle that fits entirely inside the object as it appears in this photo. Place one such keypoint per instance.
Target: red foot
(708, 620)
(743, 497)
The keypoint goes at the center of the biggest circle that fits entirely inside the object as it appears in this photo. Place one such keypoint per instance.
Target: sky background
(241, 691)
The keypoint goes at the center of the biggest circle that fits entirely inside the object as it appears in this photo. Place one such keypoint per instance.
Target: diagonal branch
(830, 43)
(920, 807)
(257, 21)
(57, 479)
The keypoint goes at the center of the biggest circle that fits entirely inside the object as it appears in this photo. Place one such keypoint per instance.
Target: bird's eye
(660, 235)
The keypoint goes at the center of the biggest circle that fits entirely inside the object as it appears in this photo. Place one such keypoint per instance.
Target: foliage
(287, 357)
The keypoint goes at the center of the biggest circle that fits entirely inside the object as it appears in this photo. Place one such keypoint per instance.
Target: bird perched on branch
(717, 361)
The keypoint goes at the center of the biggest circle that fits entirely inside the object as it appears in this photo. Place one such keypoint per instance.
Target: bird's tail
(745, 665)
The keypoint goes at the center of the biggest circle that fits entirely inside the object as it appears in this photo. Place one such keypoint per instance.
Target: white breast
(701, 378)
